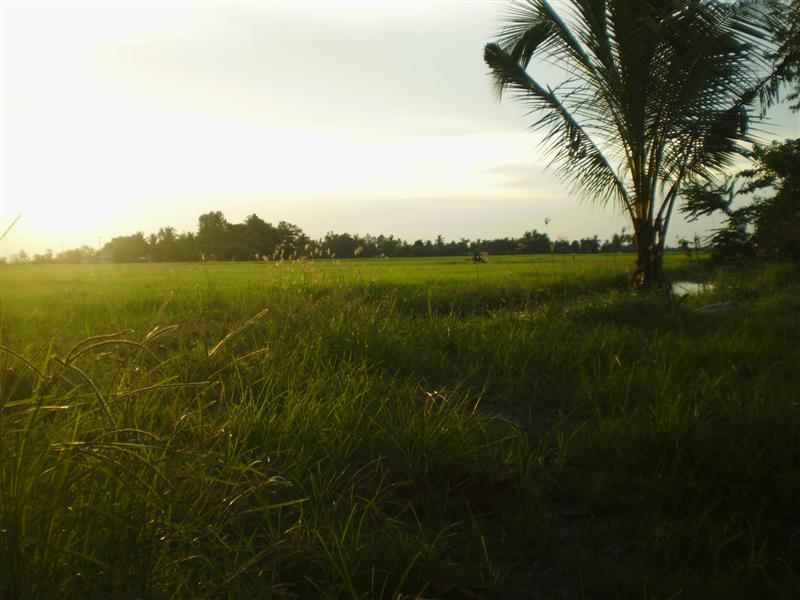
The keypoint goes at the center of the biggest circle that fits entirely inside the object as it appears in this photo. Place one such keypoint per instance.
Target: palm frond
(578, 156)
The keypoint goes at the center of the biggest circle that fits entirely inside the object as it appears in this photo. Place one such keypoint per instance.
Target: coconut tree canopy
(655, 93)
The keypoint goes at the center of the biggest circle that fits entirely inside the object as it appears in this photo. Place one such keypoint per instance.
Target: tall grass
(390, 430)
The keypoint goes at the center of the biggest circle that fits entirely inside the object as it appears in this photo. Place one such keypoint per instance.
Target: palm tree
(656, 93)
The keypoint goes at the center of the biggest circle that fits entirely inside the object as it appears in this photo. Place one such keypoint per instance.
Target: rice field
(383, 428)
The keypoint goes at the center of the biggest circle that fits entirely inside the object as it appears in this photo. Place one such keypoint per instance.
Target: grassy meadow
(383, 428)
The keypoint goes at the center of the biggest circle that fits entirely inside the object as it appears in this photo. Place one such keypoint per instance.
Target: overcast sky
(363, 117)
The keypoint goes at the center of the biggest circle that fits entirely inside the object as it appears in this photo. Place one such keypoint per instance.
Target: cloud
(521, 176)
(378, 68)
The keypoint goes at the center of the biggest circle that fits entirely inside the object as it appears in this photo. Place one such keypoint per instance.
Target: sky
(361, 117)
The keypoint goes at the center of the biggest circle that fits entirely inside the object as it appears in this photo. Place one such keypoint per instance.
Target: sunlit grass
(384, 429)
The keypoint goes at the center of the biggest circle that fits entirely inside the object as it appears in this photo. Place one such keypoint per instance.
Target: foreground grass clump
(385, 429)
(276, 476)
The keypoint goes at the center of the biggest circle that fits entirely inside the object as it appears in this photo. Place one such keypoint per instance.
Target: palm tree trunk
(649, 256)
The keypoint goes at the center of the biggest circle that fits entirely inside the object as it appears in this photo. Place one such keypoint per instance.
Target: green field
(384, 428)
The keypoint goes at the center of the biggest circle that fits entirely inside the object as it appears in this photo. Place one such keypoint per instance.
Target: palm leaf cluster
(653, 92)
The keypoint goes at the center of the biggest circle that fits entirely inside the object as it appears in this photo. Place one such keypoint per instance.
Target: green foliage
(128, 248)
(787, 70)
(776, 217)
(769, 225)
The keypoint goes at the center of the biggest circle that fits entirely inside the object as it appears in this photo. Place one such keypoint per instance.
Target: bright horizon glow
(345, 116)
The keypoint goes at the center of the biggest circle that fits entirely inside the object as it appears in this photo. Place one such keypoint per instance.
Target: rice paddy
(432, 428)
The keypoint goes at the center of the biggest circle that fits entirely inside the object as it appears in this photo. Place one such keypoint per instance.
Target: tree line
(256, 239)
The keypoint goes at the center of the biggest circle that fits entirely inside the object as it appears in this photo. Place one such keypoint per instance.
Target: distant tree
(535, 242)
(262, 238)
(370, 244)
(562, 246)
(164, 245)
(127, 248)
(417, 248)
(590, 245)
(440, 245)
(45, 258)
(75, 255)
(212, 236)
(461, 247)
(685, 247)
(388, 245)
(19, 258)
(619, 242)
(293, 239)
(341, 244)
(238, 245)
(186, 247)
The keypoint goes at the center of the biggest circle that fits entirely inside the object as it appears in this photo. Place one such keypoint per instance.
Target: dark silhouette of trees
(562, 246)
(75, 255)
(769, 225)
(212, 236)
(589, 245)
(260, 237)
(535, 243)
(257, 239)
(128, 248)
(342, 245)
(164, 246)
(619, 242)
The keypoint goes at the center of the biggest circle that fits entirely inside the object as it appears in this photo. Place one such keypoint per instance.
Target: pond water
(690, 288)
